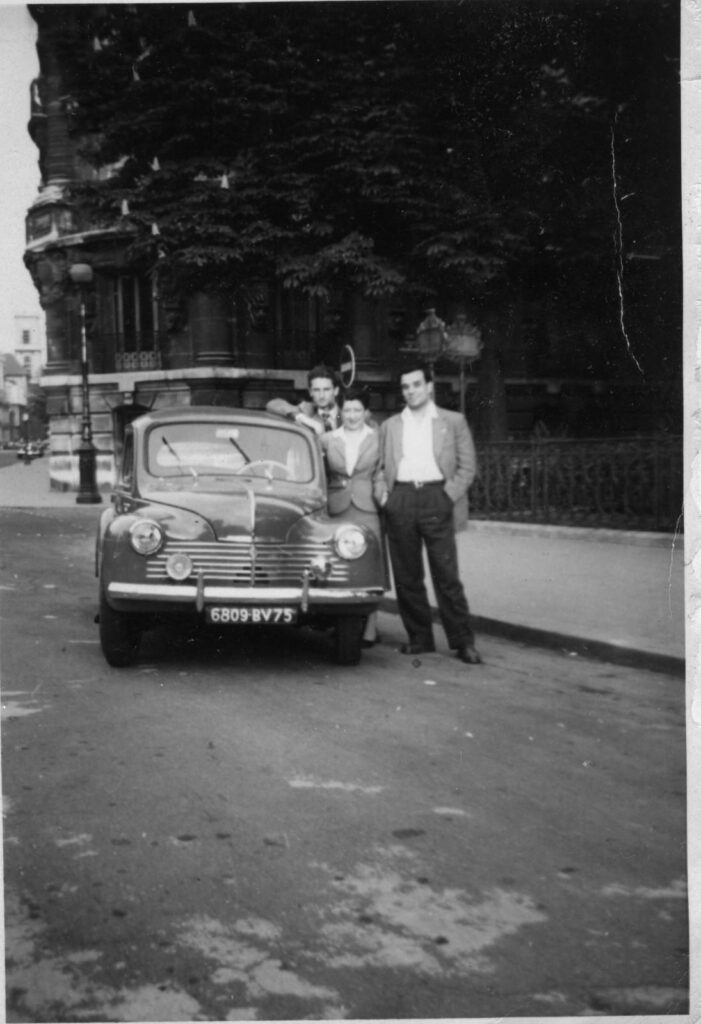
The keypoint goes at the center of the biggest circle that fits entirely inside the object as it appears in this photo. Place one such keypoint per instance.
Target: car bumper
(200, 595)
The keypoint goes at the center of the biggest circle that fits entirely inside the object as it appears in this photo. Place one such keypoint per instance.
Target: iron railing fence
(110, 353)
(139, 350)
(151, 350)
(633, 483)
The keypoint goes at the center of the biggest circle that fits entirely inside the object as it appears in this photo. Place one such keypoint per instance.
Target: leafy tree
(452, 150)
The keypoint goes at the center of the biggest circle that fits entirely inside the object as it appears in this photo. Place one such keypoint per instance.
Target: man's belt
(418, 484)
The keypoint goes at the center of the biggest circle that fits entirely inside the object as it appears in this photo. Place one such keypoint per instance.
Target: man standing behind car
(428, 461)
(322, 412)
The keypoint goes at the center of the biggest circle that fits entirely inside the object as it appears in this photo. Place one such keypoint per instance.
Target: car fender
(106, 517)
(116, 553)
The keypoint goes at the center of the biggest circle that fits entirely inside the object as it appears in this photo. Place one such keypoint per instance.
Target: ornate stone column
(49, 273)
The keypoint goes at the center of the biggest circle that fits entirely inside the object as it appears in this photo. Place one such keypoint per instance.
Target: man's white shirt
(418, 461)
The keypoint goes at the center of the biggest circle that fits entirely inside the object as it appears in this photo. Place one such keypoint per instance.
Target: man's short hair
(324, 372)
(412, 365)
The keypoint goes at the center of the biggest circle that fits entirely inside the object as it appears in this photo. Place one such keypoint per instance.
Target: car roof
(217, 413)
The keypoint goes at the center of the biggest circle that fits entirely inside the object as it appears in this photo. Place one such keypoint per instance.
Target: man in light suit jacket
(428, 462)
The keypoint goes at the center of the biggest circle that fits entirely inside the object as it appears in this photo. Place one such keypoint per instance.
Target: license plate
(246, 615)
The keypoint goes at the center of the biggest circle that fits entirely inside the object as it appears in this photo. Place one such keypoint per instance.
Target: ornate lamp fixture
(464, 339)
(431, 337)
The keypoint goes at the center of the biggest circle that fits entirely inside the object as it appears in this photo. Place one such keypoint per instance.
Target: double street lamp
(460, 342)
(81, 274)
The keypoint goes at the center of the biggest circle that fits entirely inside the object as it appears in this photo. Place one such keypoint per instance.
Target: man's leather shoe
(417, 648)
(469, 655)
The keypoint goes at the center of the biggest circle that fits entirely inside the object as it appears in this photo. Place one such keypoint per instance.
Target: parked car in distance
(221, 514)
(29, 451)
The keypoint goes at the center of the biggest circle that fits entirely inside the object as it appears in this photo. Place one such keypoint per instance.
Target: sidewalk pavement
(27, 486)
(608, 594)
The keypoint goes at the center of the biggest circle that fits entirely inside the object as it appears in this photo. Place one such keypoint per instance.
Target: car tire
(348, 639)
(119, 635)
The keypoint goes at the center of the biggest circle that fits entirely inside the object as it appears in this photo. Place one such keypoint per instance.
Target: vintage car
(30, 451)
(221, 513)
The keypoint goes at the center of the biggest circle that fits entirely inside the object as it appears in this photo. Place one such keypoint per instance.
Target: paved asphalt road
(237, 829)
(8, 458)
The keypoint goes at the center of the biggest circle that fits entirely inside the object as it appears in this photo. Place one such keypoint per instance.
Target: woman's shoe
(469, 655)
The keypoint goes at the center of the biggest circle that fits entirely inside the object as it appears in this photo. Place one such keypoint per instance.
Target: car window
(194, 450)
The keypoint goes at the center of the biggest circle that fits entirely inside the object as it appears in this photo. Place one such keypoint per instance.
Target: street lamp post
(81, 275)
(25, 434)
(465, 345)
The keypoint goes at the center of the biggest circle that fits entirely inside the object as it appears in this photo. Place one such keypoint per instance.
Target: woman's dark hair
(355, 394)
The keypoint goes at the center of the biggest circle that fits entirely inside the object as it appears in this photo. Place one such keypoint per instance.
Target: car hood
(240, 513)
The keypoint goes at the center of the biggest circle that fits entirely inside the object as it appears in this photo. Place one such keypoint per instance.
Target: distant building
(14, 379)
(28, 344)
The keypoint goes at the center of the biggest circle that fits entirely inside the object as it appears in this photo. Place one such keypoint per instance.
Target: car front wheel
(349, 639)
(119, 635)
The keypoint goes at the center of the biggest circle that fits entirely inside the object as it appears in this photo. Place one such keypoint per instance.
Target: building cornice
(54, 240)
(128, 381)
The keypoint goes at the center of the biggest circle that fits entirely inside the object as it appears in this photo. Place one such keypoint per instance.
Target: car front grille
(245, 562)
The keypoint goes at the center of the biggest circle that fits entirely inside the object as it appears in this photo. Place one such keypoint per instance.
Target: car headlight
(350, 542)
(179, 566)
(146, 536)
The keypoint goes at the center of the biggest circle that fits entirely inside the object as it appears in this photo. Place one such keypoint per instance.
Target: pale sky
(19, 170)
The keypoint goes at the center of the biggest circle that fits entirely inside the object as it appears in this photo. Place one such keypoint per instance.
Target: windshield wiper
(177, 458)
(239, 449)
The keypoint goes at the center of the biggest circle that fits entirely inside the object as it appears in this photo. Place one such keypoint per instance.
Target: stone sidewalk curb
(598, 650)
(631, 537)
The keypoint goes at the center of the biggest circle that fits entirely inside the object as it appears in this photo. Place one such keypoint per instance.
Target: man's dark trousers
(417, 516)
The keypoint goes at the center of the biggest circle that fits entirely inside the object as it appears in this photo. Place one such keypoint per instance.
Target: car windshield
(192, 451)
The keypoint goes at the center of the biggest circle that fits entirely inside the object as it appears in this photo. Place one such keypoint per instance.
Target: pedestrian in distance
(321, 413)
(428, 461)
(352, 458)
